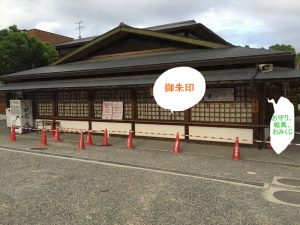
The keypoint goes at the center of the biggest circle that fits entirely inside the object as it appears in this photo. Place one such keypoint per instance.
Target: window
(121, 95)
(147, 109)
(42, 103)
(239, 111)
(73, 104)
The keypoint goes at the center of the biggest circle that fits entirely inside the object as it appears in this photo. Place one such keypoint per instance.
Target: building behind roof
(47, 37)
(120, 67)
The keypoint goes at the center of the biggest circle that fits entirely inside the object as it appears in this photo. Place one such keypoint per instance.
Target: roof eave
(162, 66)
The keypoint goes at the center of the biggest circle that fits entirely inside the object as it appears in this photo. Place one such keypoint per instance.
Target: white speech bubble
(179, 88)
(282, 125)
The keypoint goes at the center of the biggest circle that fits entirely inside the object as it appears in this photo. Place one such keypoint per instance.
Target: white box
(21, 115)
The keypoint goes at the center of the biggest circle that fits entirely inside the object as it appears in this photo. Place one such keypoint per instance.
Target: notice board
(112, 110)
(219, 94)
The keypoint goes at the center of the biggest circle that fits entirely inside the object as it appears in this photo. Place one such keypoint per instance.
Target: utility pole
(79, 28)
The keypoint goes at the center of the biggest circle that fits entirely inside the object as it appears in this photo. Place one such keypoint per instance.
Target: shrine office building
(120, 67)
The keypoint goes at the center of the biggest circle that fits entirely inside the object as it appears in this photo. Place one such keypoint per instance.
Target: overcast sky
(258, 23)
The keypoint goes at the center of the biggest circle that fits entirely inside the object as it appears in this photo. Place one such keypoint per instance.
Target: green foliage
(283, 47)
(20, 52)
(298, 58)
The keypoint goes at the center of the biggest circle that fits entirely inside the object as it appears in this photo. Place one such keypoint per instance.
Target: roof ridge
(137, 31)
(167, 25)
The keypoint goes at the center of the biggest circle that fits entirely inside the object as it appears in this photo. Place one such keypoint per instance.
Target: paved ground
(43, 190)
(146, 185)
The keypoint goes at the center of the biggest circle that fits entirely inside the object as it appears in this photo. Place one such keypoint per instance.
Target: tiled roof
(171, 58)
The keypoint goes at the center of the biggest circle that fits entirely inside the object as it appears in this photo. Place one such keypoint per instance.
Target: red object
(81, 142)
(12, 134)
(105, 138)
(89, 138)
(57, 136)
(52, 131)
(44, 138)
(176, 148)
(268, 144)
(129, 142)
(236, 155)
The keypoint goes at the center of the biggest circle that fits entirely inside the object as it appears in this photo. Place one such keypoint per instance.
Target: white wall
(113, 128)
(166, 131)
(64, 124)
(221, 132)
(159, 130)
(40, 124)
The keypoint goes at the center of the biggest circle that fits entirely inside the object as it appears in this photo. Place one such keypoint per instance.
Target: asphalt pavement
(149, 184)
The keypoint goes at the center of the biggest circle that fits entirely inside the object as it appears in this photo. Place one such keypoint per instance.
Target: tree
(19, 52)
(283, 47)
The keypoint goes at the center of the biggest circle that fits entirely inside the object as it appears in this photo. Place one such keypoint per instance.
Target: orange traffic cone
(12, 134)
(52, 131)
(176, 148)
(105, 138)
(81, 142)
(89, 138)
(44, 138)
(129, 142)
(57, 136)
(236, 150)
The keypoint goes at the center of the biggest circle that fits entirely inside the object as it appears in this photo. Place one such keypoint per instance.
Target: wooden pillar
(187, 119)
(262, 113)
(91, 107)
(255, 115)
(133, 110)
(55, 103)
(54, 95)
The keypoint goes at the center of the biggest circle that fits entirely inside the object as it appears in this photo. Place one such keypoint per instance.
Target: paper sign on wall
(112, 111)
(117, 113)
(107, 108)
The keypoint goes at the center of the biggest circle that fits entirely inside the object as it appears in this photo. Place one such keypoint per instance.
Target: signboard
(21, 114)
(219, 94)
(112, 111)
(117, 113)
(107, 109)
(15, 107)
